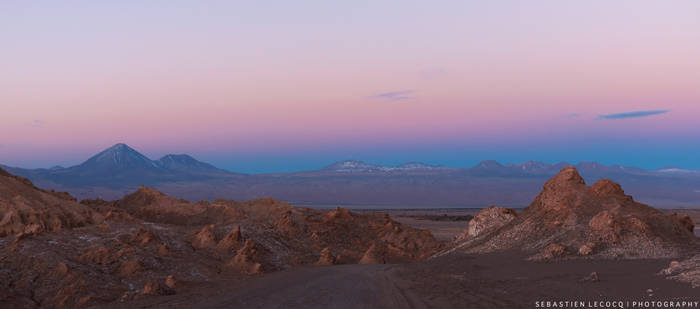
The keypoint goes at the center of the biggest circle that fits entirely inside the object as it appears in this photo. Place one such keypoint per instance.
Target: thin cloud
(634, 114)
(572, 115)
(394, 95)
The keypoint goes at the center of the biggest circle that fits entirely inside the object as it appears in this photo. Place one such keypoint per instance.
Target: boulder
(326, 257)
(488, 220)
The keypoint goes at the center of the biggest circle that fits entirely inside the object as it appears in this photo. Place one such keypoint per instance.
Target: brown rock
(124, 252)
(83, 301)
(489, 220)
(674, 264)
(164, 249)
(171, 282)
(569, 213)
(205, 238)
(65, 196)
(130, 268)
(244, 261)
(586, 249)
(232, 240)
(552, 251)
(338, 213)
(119, 215)
(607, 187)
(61, 269)
(154, 287)
(24, 208)
(685, 221)
(143, 237)
(375, 254)
(593, 277)
(326, 257)
(96, 255)
(287, 225)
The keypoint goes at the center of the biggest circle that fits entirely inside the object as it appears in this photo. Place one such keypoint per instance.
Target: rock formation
(205, 238)
(685, 271)
(375, 254)
(124, 249)
(488, 220)
(244, 261)
(27, 209)
(326, 257)
(143, 237)
(155, 287)
(231, 240)
(569, 218)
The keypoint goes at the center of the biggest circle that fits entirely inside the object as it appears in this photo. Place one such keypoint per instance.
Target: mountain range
(121, 169)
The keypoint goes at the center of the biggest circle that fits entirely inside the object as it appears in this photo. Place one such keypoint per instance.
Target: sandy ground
(486, 281)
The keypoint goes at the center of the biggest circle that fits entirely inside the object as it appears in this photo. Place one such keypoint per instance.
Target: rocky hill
(569, 218)
(26, 209)
(55, 252)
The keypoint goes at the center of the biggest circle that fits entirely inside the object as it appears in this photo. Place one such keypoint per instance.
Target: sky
(273, 86)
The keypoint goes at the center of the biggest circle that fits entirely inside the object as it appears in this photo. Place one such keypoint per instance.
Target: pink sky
(229, 80)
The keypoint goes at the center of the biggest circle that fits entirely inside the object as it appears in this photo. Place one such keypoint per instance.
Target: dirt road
(479, 281)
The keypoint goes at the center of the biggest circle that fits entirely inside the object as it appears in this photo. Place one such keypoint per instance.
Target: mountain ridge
(120, 169)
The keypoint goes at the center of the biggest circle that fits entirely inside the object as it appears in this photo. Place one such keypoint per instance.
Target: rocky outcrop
(326, 257)
(232, 240)
(155, 287)
(375, 254)
(164, 249)
(26, 209)
(686, 271)
(552, 251)
(245, 259)
(96, 255)
(569, 218)
(143, 237)
(171, 282)
(205, 238)
(130, 268)
(338, 213)
(488, 220)
(150, 236)
(586, 249)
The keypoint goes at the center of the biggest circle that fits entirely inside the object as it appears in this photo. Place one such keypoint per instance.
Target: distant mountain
(676, 170)
(352, 166)
(349, 166)
(121, 166)
(416, 166)
(121, 169)
(187, 164)
(118, 159)
(489, 164)
(536, 166)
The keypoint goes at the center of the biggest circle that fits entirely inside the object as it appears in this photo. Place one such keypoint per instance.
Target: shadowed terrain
(573, 243)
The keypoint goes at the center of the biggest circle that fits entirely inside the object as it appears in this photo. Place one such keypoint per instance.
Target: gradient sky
(263, 86)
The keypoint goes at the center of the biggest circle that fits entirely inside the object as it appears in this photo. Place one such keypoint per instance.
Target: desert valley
(343, 154)
(572, 243)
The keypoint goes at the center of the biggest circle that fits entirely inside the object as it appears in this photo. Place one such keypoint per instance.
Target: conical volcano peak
(118, 157)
